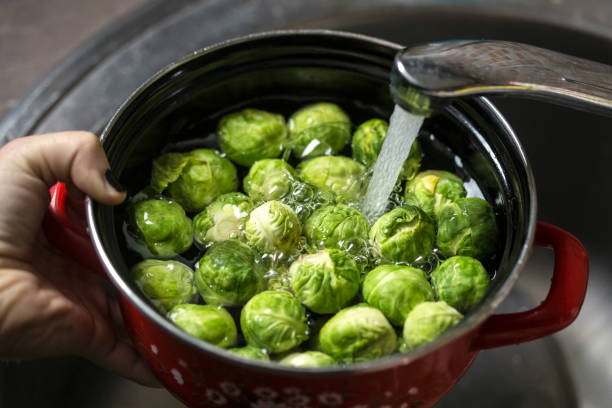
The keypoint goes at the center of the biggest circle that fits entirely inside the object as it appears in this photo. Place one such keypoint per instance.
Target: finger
(123, 360)
(74, 157)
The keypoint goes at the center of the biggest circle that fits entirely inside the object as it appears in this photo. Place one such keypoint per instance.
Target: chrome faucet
(426, 77)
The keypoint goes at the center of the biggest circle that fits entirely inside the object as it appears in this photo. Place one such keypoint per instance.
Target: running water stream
(403, 130)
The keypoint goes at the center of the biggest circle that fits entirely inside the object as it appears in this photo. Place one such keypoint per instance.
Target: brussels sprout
(431, 189)
(194, 179)
(251, 135)
(318, 129)
(337, 174)
(368, 140)
(308, 359)
(337, 226)
(209, 323)
(269, 179)
(358, 333)
(404, 234)
(467, 227)
(222, 219)
(162, 226)
(165, 283)
(325, 281)
(274, 320)
(228, 274)
(251, 352)
(427, 321)
(461, 282)
(273, 227)
(395, 290)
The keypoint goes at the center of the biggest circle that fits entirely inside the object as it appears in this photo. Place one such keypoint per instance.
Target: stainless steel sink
(570, 151)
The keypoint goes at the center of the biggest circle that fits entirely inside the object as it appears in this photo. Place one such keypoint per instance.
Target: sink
(570, 152)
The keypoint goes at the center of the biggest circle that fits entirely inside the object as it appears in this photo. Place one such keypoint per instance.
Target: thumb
(73, 157)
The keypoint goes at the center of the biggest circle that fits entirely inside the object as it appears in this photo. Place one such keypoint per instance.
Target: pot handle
(69, 239)
(562, 304)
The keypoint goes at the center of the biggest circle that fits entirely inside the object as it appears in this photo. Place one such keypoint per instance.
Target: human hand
(50, 305)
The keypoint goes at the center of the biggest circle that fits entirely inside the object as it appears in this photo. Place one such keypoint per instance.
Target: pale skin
(49, 305)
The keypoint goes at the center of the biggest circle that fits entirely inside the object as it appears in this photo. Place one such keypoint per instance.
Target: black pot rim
(468, 324)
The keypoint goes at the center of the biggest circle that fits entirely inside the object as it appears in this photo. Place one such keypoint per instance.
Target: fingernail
(113, 181)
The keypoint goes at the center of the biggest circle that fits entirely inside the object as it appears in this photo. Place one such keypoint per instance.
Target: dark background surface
(571, 155)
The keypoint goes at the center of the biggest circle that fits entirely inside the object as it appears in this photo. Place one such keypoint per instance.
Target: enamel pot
(281, 71)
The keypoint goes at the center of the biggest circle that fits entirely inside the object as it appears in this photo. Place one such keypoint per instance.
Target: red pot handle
(69, 239)
(562, 304)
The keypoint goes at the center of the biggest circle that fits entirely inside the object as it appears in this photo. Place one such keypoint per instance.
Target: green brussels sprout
(165, 283)
(269, 179)
(308, 359)
(209, 323)
(467, 227)
(250, 352)
(222, 219)
(228, 274)
(161, 226)
(404, 234)
(461, 282)
(368, 140)
(319, 129)
(275, 321)
(337, 226)
(325, 281)
(337, 174)
(395, 290)
(427, 321)
(273, 227)
(193, 179)
(251, 134)
(358, 333)
(431, 189)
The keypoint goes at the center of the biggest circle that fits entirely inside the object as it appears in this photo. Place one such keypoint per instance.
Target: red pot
(291, 68)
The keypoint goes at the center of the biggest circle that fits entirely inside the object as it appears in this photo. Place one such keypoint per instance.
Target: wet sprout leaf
(161, 227)
(229, 274)
(467, 227)
(308, 359)
(395, 290)
(358, 333)
(165, 283)
(404, 234)
(319, 129)
(252, 134)
(195, 178)
(274, 321)
(432, 189)
(222, 219)
(461, 282)
(337, 174)
(209, 323)
(325, 281)
(427, 321)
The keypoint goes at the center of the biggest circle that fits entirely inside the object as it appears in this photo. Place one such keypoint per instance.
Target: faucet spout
(426, 77)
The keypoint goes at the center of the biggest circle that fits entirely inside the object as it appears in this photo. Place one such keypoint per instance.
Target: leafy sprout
(252, 134)
(195, 178)
(160, 227)
(274, 321)
(165, 283)
(209, 323)
(319, 129)
(229, 274)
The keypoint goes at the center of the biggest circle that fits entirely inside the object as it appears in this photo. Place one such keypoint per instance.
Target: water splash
(403, 130)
